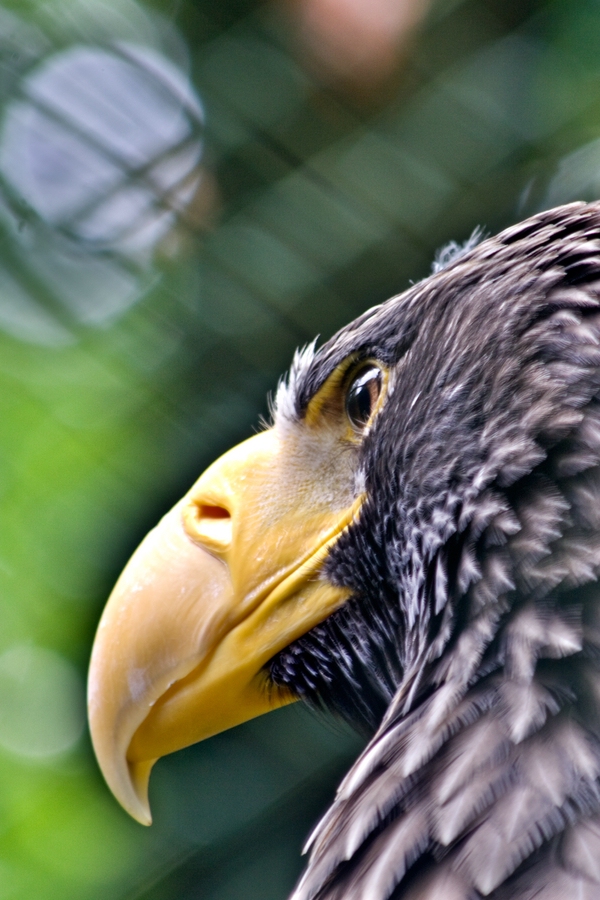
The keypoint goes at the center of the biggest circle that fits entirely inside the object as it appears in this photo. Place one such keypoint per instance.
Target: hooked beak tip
(139, 773)
(127, 779)
(129, 783)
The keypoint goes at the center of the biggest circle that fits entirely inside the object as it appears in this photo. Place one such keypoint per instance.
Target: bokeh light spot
(41, 702)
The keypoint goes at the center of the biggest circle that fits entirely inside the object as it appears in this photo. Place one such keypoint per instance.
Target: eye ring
(362, 395)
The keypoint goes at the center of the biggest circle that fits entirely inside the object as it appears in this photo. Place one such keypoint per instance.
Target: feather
(473, 568)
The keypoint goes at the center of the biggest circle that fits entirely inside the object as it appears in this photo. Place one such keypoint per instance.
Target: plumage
(465, 634)
(473, 627)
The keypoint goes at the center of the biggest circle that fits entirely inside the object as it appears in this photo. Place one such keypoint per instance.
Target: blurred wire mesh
(188, 191)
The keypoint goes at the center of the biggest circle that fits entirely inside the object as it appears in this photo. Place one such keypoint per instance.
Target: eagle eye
(362, 396)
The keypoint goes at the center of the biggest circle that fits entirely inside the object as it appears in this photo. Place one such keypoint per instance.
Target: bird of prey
(413, 544)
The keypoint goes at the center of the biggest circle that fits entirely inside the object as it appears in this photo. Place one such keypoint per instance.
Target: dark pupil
(362, 396)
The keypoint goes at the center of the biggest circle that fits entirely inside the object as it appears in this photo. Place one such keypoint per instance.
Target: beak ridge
(132, 667)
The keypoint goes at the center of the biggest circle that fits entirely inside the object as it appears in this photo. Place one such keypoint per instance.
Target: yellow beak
(227, 579)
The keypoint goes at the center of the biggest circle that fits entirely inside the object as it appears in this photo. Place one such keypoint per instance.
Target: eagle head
(414, 544)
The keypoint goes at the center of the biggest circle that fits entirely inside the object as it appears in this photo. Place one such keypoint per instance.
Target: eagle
(413, 543)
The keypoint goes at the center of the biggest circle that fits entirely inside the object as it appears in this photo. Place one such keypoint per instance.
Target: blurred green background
(188, 191)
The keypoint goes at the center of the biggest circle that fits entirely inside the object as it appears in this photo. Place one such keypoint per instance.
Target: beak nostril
(209, 524)
(212, 512)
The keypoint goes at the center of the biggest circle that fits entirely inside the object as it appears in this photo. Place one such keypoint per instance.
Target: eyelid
(331, 393)
(330, 398)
